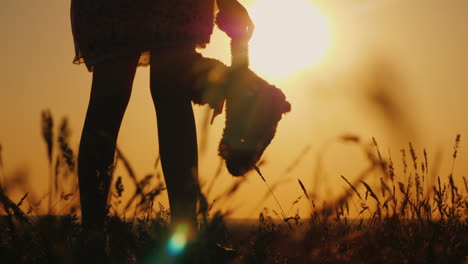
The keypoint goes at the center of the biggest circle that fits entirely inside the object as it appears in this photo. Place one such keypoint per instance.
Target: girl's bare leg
(110, 93)
(170, 89)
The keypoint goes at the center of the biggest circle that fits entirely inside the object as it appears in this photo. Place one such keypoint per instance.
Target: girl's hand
(234, 20)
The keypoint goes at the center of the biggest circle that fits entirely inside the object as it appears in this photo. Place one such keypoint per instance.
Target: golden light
(289, 36)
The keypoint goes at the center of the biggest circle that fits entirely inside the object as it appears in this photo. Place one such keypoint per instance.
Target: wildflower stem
(271, 191)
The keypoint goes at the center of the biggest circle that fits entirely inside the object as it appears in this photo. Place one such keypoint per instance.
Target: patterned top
(106, 28)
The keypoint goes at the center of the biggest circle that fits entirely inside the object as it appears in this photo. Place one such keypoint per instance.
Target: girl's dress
(108, 28)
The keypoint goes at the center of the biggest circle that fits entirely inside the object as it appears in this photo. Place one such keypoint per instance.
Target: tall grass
(396, 210)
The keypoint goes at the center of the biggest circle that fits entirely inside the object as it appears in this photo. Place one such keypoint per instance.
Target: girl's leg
(170, 89)
(110, 93)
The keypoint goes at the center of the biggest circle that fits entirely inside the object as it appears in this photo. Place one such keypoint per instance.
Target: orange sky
(413, 52)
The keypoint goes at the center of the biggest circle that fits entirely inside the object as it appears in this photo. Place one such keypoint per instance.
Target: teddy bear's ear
(286, 107)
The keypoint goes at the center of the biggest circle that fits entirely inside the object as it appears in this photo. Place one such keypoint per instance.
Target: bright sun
(289, 36)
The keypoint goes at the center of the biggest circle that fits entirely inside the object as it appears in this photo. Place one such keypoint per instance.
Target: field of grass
(420, 220)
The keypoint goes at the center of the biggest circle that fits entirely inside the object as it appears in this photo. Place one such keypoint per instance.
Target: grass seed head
(48, 132)
(456, 146)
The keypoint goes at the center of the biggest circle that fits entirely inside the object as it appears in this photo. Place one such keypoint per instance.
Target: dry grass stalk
(403, 158)
(64, 145)
(413, 156)
(157, 162)
(218, 172)
(352, 187)
(455, 151)
(456, 146)
(371, 192)
(466, 184)
(120, 156)
(304, 190)
(425, 161)
(22, 199)
(297, 160)
(48, 134)
(272, 193)
(377, 149)
(10, 206)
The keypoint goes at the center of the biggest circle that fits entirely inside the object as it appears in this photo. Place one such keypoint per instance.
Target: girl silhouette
(112, 38)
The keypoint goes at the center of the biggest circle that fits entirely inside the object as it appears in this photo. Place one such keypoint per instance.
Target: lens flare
(178, 241)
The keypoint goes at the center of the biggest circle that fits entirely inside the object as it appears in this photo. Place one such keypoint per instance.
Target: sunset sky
(391, 69)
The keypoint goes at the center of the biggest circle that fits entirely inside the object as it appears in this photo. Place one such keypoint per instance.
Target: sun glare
(289, 36)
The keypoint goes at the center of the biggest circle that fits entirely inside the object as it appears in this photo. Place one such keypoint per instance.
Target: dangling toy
(253, 106)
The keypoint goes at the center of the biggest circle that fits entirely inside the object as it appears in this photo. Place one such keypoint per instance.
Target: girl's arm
(235, 21)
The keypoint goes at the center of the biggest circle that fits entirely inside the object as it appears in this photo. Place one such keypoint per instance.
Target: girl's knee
(112, 82)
